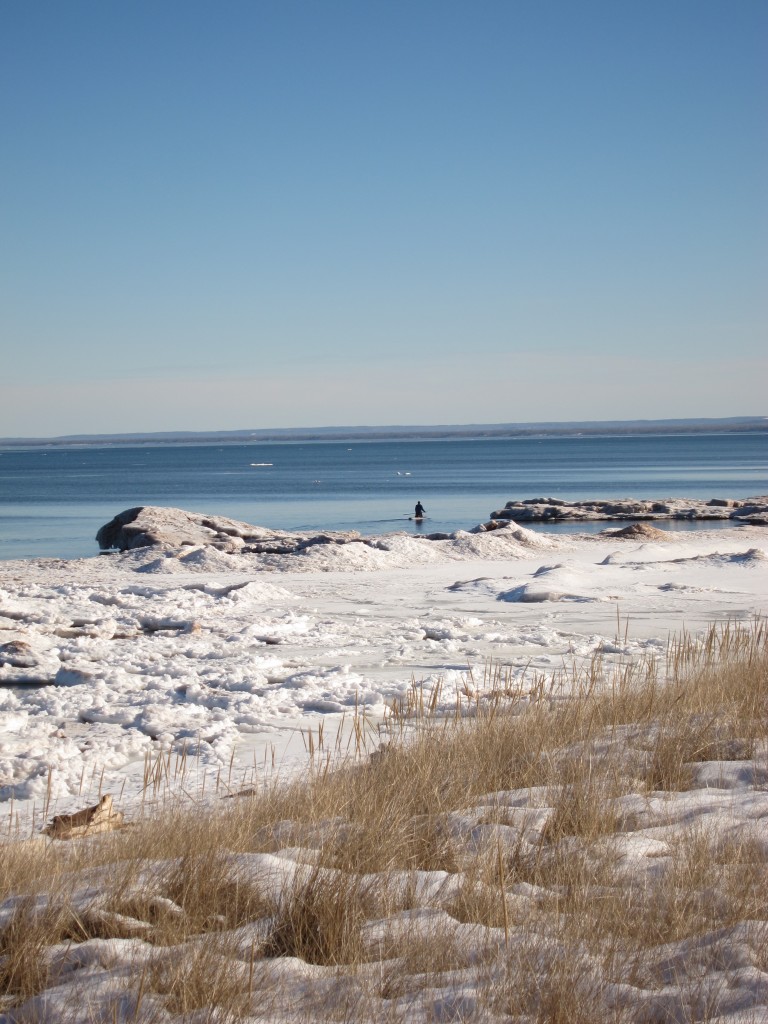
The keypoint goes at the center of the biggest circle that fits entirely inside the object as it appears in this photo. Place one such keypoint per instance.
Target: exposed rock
(154, 526)
(176, 530)
(18, 654)
(756, 519)
(112, 534)
(91, 820)
(542, 510)
(543, 501)
(641, 531)
(151, 526)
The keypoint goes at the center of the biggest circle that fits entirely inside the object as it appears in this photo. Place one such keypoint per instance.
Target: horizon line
(382, 430)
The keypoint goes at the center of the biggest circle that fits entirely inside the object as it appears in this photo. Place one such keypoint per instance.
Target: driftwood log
(88, 822)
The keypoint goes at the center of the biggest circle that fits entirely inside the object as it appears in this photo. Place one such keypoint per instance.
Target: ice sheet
(228, 660)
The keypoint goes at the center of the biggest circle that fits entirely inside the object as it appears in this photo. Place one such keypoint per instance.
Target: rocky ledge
(155, 526)
(753, 511)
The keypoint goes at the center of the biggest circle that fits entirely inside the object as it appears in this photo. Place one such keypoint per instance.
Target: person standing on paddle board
(420, 510)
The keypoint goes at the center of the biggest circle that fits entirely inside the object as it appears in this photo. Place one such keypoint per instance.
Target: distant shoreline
(607, 428)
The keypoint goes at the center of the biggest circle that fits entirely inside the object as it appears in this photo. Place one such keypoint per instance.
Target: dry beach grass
(571, 849)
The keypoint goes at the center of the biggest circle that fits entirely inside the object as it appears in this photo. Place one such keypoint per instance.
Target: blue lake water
(54, 499)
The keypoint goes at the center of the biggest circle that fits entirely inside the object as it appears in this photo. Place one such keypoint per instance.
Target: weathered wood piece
(102, 817)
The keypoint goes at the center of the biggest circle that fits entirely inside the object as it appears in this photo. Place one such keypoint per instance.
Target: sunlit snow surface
(226, 661)
(226, 658)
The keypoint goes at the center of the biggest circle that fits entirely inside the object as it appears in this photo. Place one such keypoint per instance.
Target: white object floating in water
(262, 463)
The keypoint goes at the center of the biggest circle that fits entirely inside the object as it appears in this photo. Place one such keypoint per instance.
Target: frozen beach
(590, 851)
(226, 659)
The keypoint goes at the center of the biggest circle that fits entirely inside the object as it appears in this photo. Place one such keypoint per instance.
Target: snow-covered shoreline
(224, 657)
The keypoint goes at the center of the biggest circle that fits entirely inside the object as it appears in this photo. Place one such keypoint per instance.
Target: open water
(54, 499)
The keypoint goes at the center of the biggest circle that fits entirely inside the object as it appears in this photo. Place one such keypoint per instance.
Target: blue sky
(295, 213)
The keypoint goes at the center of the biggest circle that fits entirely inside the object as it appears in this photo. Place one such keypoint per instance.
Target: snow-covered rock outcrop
(540, 510)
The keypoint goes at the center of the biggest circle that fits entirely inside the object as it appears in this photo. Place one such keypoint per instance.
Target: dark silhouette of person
(420, 510)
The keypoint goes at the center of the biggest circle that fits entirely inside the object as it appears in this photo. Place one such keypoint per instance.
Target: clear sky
(255, 213)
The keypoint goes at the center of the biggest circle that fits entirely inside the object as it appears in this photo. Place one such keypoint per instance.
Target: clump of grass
(583, 803)
(678, 744)
(393, 840)
(319, 919)
(24, 864)
(210, 897)
(210, 978)
(482, 897)
(704, 886)
(24, 966)
(554, 983)
(414, 956)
